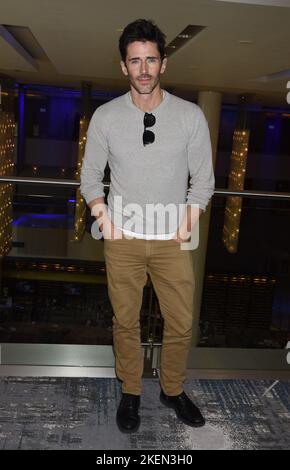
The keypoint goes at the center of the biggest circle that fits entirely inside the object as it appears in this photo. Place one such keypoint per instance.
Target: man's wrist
(184, 235)
(98, 210)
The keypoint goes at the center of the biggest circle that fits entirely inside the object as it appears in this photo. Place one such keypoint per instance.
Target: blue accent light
(68, 92)
(58, 221)
(272, 135)
(20, 221)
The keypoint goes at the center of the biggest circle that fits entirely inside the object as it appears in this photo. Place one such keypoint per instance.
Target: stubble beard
(145, 89)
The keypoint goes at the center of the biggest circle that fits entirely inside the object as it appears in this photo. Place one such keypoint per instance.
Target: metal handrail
(75, 183)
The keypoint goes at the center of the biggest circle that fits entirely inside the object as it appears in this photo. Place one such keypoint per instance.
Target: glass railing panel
(54, 288)
(246, 293)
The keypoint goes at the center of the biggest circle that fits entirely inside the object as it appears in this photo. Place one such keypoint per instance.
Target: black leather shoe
(128, 419)
(185, 410)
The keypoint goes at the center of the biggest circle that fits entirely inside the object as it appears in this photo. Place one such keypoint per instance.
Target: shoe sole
(129, 431)
(184, 421)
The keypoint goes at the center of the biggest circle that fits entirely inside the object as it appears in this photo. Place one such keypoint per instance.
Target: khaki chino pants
(171, 272)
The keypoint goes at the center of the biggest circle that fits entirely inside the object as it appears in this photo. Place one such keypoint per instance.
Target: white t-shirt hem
(158, 236)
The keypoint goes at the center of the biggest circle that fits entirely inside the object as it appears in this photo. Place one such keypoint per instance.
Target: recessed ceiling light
(187, 34)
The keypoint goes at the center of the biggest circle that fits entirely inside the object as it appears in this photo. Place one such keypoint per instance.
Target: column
(210, 103)
(21, 130)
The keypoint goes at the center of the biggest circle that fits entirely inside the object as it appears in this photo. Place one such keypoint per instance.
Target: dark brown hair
(142, 30)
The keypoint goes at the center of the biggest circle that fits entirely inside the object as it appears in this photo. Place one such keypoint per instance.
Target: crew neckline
(156, 110)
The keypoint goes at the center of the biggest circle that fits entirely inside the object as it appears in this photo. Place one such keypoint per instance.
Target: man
(152, 142)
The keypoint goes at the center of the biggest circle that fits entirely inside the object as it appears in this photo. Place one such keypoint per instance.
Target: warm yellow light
(236, 182)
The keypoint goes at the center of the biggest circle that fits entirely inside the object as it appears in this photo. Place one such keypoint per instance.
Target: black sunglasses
(148, 136)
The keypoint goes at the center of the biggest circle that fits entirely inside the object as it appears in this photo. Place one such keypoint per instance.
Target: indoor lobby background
(59, 61)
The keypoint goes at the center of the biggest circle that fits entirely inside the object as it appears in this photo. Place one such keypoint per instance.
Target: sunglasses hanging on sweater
(148, 136)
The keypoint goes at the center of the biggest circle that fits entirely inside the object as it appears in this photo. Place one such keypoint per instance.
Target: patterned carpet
(79, 413)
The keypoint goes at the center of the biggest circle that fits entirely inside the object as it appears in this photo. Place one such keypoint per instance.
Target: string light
(79, 226)
(7, 127)
(233, 208)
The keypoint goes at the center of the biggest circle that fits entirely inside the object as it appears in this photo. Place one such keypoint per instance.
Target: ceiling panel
(80, 41)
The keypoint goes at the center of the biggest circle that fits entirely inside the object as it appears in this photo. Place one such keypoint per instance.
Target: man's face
(143, 66)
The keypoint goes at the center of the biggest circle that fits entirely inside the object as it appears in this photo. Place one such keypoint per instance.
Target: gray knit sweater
(155, 174)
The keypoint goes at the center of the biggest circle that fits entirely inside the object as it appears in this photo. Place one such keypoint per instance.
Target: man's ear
(164, 64)
(124, 67)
